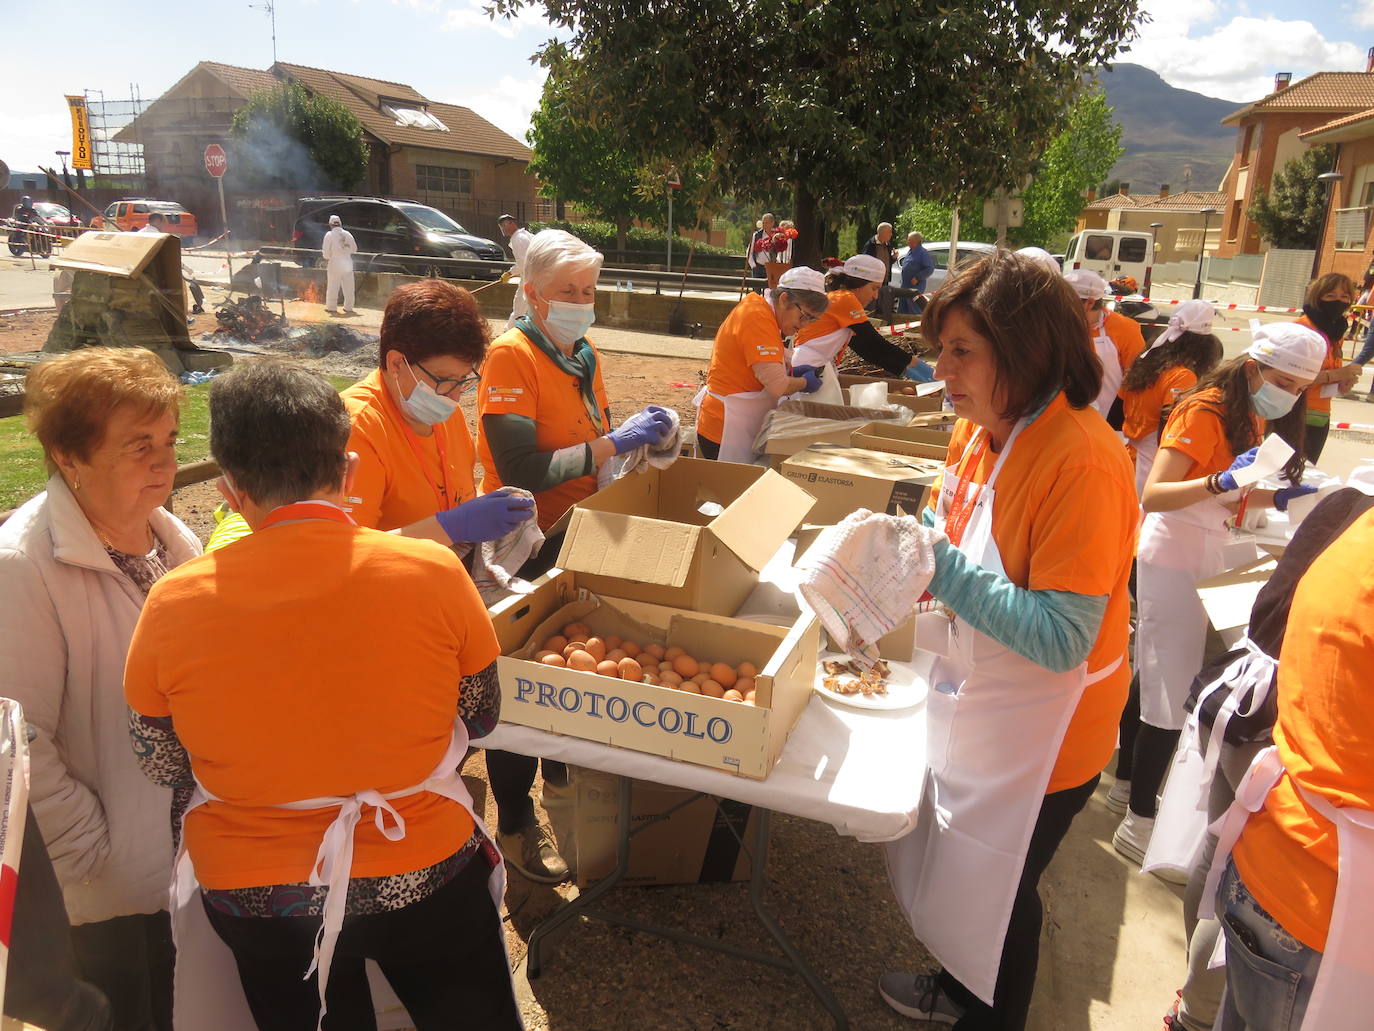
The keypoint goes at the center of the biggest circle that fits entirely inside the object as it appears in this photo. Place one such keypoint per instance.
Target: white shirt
(150, 230)
(339, 245)
(520, 243)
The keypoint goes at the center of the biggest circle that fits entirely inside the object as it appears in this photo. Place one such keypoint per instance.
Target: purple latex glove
(1227, 480)
(811, 374)
(486, 518)
(650, 426)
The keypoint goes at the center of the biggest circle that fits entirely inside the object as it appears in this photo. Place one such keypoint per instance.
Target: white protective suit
(338, 249)
(519, 243)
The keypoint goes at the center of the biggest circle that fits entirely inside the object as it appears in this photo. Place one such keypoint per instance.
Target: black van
(400, 227)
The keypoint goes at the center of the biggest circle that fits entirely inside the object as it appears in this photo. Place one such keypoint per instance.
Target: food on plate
(582, 661)
(868, 684)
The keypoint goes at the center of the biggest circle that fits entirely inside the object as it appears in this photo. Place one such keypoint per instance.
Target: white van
(1113, 253)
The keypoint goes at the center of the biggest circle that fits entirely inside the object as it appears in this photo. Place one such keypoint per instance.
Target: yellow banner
(81, 133)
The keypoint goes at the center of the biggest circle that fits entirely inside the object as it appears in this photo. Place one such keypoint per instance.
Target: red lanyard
(306, 510)
(441, 492)
(960, 511)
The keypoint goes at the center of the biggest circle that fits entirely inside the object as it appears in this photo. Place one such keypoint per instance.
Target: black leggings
(708, 448)
(1021, 950)
(1127, 730)
(1315, 440)
(1154, 748)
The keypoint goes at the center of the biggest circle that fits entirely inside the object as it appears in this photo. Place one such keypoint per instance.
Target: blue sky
(450, 51)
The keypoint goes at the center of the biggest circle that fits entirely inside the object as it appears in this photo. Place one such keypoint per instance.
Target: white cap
(335, 220)
(1043, 256)
(1289, 347)
(802, 278)
(865, 266)
(1086, 283)
(1191, 317)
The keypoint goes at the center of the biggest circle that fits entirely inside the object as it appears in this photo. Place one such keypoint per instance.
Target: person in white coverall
(338, 249)
(518, 238)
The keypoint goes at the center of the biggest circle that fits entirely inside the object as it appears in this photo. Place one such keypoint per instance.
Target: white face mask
(427, 405)
(566, 323)
(1271, 401)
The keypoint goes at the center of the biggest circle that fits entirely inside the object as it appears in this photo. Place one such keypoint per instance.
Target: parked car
(131, 215)
(1113, 254)
(58, 217)
(393, 227)
(969, 251)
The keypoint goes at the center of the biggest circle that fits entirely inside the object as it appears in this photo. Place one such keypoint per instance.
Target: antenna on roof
(271, 8)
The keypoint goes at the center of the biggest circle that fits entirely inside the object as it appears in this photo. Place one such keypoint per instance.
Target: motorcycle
(1152, 323)
(34, 237)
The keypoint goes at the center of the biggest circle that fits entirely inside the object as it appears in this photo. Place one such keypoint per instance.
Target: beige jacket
(66, 617)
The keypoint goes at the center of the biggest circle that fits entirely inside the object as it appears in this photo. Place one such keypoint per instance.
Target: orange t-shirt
(1143, 407)
(1196, 429)
(1287, 854)
(1065, 520)
(1126, 335)
(311, 659)
(519, 379)
(844, 311)
(394, 487)
(749, 335)
(1333, 360)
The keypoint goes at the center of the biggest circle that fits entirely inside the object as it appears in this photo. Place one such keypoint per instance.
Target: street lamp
(1328, 181)
(1155, 227)
(1207, 214)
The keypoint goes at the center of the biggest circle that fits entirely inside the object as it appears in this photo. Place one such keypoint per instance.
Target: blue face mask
(567, 323)
(427, 405)
(1271, 401)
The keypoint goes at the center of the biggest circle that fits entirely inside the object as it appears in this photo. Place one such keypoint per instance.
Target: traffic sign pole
(217, 163)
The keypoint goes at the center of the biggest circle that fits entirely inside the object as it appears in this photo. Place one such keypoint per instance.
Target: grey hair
(551, 251)
(915, 236)
(813, 301)
(884, 225)
(280, 432)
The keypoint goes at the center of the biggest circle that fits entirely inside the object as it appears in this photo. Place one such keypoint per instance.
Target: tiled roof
(1191, 200)
(244, 81)
(1324, 91)
(1115, 200)
(1340, 123)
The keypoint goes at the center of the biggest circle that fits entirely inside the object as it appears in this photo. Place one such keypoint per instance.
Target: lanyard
(325, 510)
(960, 511)
(441, 491)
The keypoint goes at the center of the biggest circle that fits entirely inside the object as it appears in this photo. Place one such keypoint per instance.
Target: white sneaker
(1119, 798)
(918, 996)
(1132, 837)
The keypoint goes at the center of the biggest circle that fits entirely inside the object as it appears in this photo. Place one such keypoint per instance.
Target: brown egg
(745, 686)
(630, 669)
(629, 648)
(723, 675)
(690, 687)
(556, 643)
(649, 678)
(733, 696)
(553, 659)
(701, 678)
(686, 665)
(607, 668)
(580, 630)
(747, 669)
(749, 697)
(656, 650)
(670, 678)
(580, 660)
(616, 654)
(673, 652)
(710, 687)
(612, 643)
(596, 648)
(573, 646)
(909, 391)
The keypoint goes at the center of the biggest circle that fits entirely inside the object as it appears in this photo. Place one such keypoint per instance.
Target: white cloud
(469, 16)
(508, 104)
(1192, 48)
(1364, 13)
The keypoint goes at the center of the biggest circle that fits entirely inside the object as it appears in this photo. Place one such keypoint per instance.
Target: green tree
(1082, 154)
(288, 137)
(1290, 215)
(830, 97)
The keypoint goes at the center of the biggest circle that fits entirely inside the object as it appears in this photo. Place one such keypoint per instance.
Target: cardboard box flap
(764, 516)
(655, 551)
(115, 254)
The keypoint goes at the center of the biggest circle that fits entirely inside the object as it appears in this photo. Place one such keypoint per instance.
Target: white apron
(1111, 368)
(1146, 448)
(744, 415)
(1181, 825)
(1343, 994)
(956, 874)
(821, 351)
(1176, 550)
(208, 995)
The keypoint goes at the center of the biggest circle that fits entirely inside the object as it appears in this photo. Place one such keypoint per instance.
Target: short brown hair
(1324, 284)
(1036, 326)
(431, 318)
(68, 400)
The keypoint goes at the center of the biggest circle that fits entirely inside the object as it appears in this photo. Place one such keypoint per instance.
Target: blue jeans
(1269, 973)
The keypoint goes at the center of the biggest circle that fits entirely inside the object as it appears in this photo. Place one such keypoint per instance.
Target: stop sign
(216, 161)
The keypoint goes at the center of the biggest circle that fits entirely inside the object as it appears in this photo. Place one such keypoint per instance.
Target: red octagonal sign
(216, 161)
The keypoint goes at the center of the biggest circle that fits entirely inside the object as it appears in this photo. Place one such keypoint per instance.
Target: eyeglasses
(804, 317)
(451, 387)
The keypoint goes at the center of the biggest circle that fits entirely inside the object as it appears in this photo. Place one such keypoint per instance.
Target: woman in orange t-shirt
(1189, 498)
(1172, 364)
(1323, 309)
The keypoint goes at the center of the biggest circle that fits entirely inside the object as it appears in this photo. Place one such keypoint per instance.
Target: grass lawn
(22, 472)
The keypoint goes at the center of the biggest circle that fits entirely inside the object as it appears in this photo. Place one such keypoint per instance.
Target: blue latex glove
(1227, 480)
(650, 426)
(1287, 494)
(486, 518)
(811, 374)
(920, 371)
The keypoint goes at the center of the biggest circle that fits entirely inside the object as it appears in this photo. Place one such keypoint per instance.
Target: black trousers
(1315, 441)
(1021, 950)
(708, 448)
(441, 955)
(130, 959)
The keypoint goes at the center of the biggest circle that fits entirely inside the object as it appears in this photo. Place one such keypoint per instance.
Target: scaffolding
(116, 163)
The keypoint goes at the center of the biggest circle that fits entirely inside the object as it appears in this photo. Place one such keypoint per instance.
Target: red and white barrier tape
(1219, 307)
(14, 787)
(1362, 427)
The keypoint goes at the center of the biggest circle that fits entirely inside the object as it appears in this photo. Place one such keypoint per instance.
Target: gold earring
(76, 483)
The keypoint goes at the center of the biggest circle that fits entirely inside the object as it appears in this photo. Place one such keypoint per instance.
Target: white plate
(905, 687)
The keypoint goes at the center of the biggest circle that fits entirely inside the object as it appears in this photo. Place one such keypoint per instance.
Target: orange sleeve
(1174, 382)
(1079, 530)
(1129, 340)
(1196, 430)
(479, 648)
(759, 340)
(508, 384)
(369, 480)
(142, 692)
(847, 309)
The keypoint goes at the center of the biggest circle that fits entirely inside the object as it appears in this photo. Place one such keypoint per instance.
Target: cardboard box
(796, 425)
(1229, 597)
(844, 479)
(693, 844)
(645, 537)
(932, 402)
(912, 441)
(730, 736)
